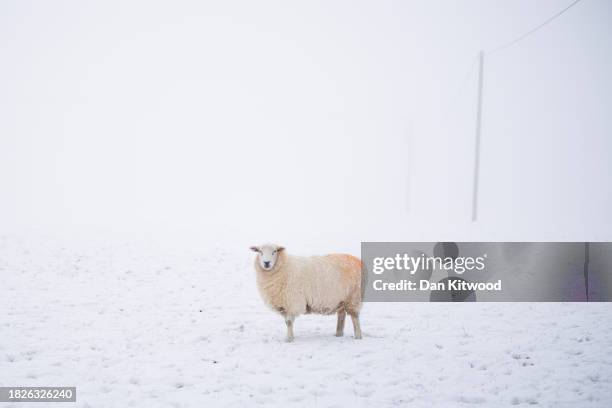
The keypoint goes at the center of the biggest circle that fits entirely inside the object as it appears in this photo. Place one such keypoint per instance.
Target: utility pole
(478, 127)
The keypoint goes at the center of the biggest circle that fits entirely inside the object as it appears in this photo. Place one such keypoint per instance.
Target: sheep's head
(267, 255)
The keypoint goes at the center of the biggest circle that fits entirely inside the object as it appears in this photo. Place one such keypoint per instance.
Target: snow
(141, 324)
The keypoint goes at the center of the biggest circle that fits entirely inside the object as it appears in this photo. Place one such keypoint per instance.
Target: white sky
(330, 121)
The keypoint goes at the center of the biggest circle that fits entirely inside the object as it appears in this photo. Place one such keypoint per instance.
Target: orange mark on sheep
(349, 265)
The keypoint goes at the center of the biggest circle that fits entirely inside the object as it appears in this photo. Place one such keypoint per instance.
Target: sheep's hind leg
(289, 321)
(356, 325)
(340, 326)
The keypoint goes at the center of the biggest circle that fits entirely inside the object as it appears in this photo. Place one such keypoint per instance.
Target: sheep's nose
(267, 264)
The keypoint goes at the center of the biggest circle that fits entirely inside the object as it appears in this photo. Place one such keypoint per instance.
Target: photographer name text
(451, 284)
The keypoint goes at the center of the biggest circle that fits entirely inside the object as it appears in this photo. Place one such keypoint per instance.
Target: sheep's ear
(280, 249)
(255, 249)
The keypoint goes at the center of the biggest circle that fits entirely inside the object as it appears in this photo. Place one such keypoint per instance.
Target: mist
(302, 122)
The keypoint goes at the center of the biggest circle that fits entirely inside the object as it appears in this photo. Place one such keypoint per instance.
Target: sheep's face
(267, 255)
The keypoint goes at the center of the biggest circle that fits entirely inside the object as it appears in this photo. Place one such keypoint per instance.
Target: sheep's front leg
(356, 325)
(340, 326)
(289, 321)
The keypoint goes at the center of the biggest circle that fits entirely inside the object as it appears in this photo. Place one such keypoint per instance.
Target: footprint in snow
(523, 359)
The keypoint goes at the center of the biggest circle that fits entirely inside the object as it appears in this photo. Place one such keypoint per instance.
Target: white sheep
(295, 285)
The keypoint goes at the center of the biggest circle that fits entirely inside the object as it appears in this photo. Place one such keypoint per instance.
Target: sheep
(295, 285)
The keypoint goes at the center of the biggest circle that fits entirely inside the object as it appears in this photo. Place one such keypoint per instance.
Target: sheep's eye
(274, 253)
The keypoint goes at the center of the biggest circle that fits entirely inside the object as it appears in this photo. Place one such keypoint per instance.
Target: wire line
(460, 87)
(533, 30)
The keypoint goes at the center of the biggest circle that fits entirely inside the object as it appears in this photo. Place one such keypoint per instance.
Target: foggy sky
(306, 121)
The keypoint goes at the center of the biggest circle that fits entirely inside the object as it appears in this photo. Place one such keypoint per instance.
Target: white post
(478, 126)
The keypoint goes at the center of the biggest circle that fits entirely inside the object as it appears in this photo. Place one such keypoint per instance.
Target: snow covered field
(144, 325)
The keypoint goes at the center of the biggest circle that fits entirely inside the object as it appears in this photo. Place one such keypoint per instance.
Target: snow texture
(143, 325)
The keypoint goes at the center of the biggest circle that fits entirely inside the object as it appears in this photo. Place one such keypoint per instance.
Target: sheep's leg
(289, 321)
(356, 325)
(340, 326)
